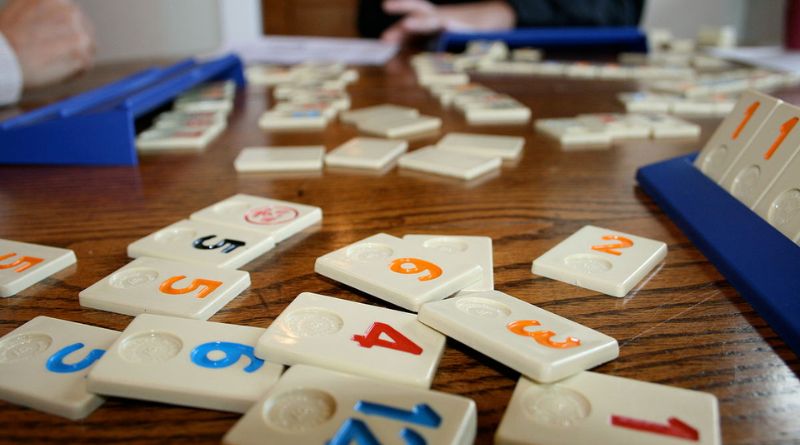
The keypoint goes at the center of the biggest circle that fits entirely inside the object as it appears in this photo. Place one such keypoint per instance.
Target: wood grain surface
(684, 326)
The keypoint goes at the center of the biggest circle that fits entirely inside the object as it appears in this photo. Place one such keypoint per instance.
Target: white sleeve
(10, 74)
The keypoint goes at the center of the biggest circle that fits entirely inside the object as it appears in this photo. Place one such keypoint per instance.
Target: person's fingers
(403, 7)
(422, 24)
(394, 34)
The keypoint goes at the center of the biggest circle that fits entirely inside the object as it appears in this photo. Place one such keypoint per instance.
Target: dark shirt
(372, 21)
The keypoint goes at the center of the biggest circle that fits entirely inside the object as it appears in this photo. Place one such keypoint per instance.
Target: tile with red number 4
(353, 337)
(312, 405)
(537, 343)
(23, 264)
(156, 286)
(277, 219)
(401, 272)
(592, 408)
(43, 365)
(601, 260)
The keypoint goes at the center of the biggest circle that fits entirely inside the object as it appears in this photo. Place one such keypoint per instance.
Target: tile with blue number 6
(601, 260)
(353, 337)
(473, 249)
(203, 243)
(156, 286)
(43, 365)
(537, 343)
(185, 362)
(312, 405)
(23, 264)
(270, 217)
(592, 408)
(400, 272)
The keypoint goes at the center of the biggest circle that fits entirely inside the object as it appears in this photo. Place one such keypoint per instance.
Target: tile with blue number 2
(311, 405)
(43, 365)
(185, 362)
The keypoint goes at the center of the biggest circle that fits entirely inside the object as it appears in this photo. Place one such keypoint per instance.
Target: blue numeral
(354, 429)
(233, 353)
(56, 361)
(420, 414)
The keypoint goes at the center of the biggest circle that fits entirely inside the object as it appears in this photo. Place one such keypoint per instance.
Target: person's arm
(10, 74)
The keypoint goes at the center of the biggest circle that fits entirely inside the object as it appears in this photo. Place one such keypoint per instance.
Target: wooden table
(685, 326)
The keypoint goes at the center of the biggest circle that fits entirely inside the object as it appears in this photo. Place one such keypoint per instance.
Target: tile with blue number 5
(43, 365)
(185, 362)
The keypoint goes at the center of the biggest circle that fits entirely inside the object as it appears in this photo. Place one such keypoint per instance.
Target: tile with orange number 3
(355, 338)
(156, 286)
(539, 344)
(771, 150)
(23, 264)
(401, 272)
(602, 260)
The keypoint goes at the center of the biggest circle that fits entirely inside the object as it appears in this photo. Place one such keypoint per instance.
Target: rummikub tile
(271, 217)
(353, 337)
(185, 362)
(537, 343)
(43, 365)
(506, 147)
(156, 286)
(371, 153)
(449, 163)
(398, 271)
(735, 133)
(780, 205)
(399, 126)
(473, 249)
(23, 264)
(203, 243)
(770, 150)
(592, 408)
(377, 111)
(311, 405)
(279, 159)
(293, 120)
(601, 260)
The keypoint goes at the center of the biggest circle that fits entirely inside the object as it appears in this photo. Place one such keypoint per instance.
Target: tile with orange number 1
(156, 286)
(401, 272)
(602, 260)
(23, 264)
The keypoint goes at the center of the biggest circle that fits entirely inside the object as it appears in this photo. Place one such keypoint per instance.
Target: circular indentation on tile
(312, 322)
(299, 410)
(785, 209)
(483, 307)
(230, 208)
(715, 161)
(744, 185)
(133, 277)
(588, 263)
(446, 244)
(554, 406)
(175, 234)
(271, 215)
(369, 252)
(150, 347)
(23, 346)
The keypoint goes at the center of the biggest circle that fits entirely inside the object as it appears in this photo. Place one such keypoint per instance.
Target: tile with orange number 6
(601, 260)
(401, 272)
(164, 287)
(23, 264)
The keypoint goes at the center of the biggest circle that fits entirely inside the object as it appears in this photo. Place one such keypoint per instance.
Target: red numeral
(399, 341)
(786, 128)
(541, 337)
(748, 113)
(418, 266)
(609, 248)
(208, 286)
(674, 427)
(26, 261)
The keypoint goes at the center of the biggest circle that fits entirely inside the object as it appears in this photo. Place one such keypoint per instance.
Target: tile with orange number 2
(355, 338)
(156, 286)
(401, 272)
(539, 344)
(602, 260)
(23, 264)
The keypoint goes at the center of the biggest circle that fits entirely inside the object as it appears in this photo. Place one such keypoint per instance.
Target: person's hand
(52, 39)
(423, 17)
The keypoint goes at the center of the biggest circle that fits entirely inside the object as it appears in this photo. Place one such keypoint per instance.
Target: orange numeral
(208, 286)
(748, 113)
(786, 128)
(609, 248)
(541, 337)
(28, 262)
(419, 267)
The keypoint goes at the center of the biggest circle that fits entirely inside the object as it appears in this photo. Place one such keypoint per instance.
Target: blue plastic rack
(620, 38)
(758, 260)
(98, 127)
